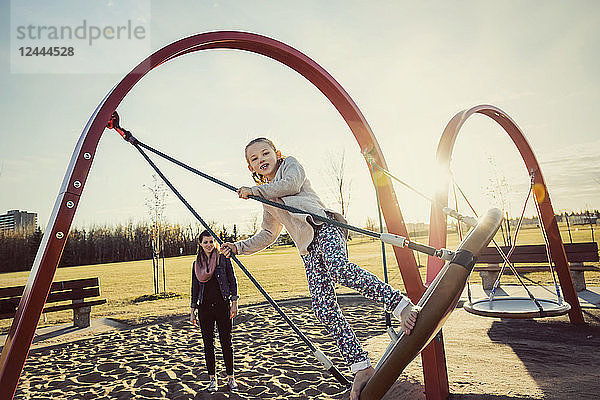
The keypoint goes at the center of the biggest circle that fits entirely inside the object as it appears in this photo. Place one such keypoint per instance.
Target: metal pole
(164, 273)
(568, 227)
(591, 225)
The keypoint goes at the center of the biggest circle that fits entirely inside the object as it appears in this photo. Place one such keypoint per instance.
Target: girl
(322, 248)
(213, 286)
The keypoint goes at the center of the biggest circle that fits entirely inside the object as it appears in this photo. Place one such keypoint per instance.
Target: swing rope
(513, 245)
(390, 238)
(371, 161)
(456, 185)
(510, 252)
(372, 165)
(548, 255)
(506, 257)
(317, 353)
(446, 210)
(388, 319)
(468, 220)
(460, 237)
(498, 248)
(395, 240)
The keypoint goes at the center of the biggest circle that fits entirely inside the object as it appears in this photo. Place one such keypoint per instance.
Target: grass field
(279, 270)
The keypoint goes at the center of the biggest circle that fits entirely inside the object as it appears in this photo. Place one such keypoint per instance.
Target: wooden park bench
(577, 255)
(75, 292)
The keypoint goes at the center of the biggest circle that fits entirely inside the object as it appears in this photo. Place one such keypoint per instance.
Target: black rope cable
(504, 256)
(261, 199)
(538, 283)
(460, 237)
(128, 136)
(462, 193)
(548, 255)
(393, 239)
(388, 319)
(458, 226)
(332, 369)
(514, 242)
(496, 245)
(114, 124)
(371, 161)
(446, 210)
(512, 249)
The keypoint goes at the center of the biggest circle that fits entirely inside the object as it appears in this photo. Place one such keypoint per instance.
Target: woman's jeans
(208, 314)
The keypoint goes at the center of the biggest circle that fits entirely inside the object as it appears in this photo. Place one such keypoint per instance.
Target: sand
(487, 358)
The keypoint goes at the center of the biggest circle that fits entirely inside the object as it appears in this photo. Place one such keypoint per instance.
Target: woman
(214, 295)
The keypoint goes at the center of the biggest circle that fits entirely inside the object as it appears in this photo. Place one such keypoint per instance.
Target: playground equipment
(519, 307)
(28, 313)
(437, 234)
(437, 303)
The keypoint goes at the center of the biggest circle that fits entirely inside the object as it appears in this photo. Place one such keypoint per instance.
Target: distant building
(15, 220)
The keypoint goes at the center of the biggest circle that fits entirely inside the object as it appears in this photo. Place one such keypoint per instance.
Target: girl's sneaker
(232, 384)
(212, 386)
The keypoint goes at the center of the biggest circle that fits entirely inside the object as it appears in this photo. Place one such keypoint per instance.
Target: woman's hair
(201, 254)
(258, 178)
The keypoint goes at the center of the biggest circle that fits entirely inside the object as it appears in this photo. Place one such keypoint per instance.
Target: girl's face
(207, 244)
(262, 159)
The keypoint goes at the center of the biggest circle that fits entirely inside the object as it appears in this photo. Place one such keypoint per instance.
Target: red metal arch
(437, 235)
(27, 316)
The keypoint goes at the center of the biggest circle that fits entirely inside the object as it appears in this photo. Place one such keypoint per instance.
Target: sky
(409, 66)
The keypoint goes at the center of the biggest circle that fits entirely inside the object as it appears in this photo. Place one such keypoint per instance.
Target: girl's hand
(244, 192)
(193, 319)
(233, 310)
(228, 249)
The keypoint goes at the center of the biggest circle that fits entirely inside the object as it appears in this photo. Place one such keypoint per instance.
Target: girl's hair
(201, 254)
(258, 178)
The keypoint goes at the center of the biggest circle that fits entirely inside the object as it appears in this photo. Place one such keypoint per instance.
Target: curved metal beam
(437, 303)
(28, 313)
(437, 233)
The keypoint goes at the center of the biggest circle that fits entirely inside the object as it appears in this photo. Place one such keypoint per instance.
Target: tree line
(105, 244)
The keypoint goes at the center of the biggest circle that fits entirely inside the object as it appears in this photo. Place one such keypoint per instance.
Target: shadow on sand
(554, 352)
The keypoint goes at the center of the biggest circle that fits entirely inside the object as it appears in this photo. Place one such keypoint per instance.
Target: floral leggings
(326, 263)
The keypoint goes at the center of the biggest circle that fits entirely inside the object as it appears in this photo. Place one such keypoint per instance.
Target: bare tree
(498, 188)
(253, 225)
(370, 225)
(155, 205)
(340, 182)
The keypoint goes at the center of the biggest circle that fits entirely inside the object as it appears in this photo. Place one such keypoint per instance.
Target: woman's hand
(228, 249)
(193, 319)
(233, 310)
(244, 192)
